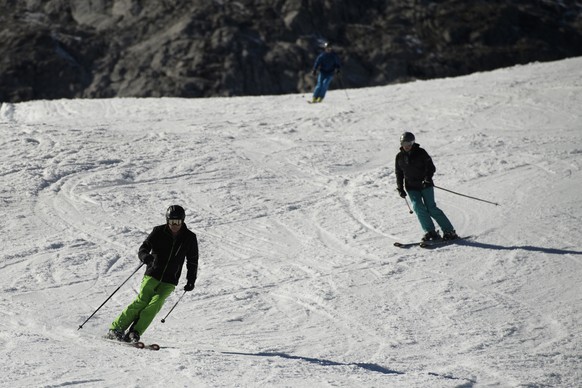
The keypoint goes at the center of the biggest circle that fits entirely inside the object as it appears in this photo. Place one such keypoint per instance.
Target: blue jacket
(327, 62)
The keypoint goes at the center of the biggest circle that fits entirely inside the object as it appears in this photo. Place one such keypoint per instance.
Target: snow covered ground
(296, 213)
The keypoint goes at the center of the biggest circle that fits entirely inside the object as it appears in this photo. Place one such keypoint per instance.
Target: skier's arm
(430, 169)
(338, 63)
(144, 251)
(317, 63)
(399, 175)
(192, 262)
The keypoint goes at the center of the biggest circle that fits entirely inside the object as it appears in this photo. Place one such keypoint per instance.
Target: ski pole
(409, 209)
(106, 300)
(173, 307)
(343, 86)
(405, 200)
(468, 196)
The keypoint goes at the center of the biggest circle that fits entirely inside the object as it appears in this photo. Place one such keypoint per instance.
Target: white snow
(296, 213)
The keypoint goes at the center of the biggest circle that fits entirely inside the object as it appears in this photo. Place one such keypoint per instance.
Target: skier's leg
(147, 315)
(434, 212)
(421, 210)
(325, 85)
(132, 312)
(318, 87)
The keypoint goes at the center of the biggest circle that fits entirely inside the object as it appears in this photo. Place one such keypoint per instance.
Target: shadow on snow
(319, 361)
(553, 251)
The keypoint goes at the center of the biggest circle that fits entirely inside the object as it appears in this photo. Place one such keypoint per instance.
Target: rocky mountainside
(193, 48)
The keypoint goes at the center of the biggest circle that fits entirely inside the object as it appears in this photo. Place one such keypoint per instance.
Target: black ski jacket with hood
(164, 255)
(413, 167)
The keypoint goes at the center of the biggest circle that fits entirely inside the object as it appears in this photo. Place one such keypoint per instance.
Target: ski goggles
(407, 143)
(174, 222)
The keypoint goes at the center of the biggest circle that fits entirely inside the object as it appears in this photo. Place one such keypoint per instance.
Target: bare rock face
(198, 48)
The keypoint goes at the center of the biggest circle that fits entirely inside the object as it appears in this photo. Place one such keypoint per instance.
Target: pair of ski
(430, 244)
(139, 345)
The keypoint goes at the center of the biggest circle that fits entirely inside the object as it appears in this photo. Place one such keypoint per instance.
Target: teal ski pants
(142, 311)
(426, 209)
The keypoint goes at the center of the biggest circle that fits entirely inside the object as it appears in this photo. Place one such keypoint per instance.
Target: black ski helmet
(175, 212)
(327, 45)
(406, 137)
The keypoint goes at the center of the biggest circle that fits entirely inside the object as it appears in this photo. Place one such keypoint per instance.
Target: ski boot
(115, 334)
(131, 337)
(433, 235)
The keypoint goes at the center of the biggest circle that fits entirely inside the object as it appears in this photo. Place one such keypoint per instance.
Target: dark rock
(197, 48)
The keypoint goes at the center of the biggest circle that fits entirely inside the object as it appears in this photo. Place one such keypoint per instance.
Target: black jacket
(413, 167)
(169, 254)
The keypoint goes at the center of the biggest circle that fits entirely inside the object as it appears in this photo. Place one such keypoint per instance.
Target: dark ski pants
(142, 311)
(426, 209)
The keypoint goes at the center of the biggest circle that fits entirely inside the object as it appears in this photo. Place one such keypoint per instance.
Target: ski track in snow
(296, 213)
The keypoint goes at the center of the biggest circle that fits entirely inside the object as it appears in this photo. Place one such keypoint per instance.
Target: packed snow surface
(296, 213)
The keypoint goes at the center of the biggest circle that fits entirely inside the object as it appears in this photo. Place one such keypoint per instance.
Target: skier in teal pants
(414, 171)
(164, 252)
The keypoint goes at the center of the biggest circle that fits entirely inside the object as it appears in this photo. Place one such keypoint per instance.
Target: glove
(189, 286)
(148, 260)
(427, 182)
(401, 192)
(314, 73)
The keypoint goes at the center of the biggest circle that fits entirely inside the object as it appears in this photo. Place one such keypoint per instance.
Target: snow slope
(296, 213)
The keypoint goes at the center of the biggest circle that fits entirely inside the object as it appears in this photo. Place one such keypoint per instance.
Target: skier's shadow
(553, 251)
(319, 361)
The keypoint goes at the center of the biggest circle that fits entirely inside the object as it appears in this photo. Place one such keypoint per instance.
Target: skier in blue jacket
(328, 64)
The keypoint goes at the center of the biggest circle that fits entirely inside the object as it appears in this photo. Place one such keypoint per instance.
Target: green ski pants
(142, 311)
(426, 209)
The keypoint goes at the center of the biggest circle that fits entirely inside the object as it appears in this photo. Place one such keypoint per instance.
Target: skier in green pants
(414, 170)
(164, 252)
